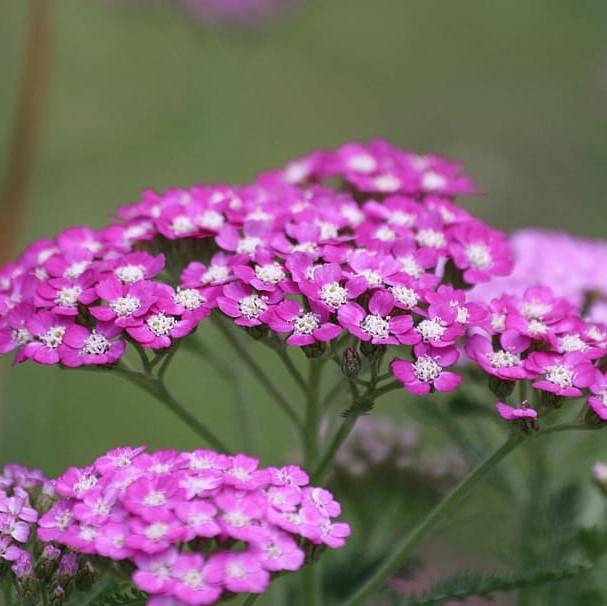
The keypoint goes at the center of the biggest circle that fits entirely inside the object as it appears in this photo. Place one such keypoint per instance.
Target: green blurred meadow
(144, 97)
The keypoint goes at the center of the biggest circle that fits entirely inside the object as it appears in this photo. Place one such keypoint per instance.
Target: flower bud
(372, 352)
(86, 577)
(69, 566)
(350, 362)
(57, 596)
(502, 389)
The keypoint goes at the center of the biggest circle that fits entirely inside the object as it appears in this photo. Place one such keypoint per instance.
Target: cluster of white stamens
(125, 306)
(189, 298)
(160, 324)
(271, 273)
(503, 359)
(53, 337)
(130, 273)
(560, 375)
(479, 256)
(247, 245)
(306, 324)
(252, 306)
(376, 326)
(182, 225)
(68, 296)
(96, 345)
(427, 369)
(406, 296)
(215, 274)
(431, 330)
(431, 238)
(333, 295)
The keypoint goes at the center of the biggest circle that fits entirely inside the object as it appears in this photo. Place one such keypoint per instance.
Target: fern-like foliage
(484, 585)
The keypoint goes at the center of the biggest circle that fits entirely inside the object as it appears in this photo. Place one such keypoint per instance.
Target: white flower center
(211, 219)
(53, 337)
(376, 326)
(431, 238)
(535, 309)
(215, 274)
(305, 247)
(182, 225)
(385, 234)
(235, 571)
(536, 327)
(156, 531)
(306, 324)
(498, 322)
(374, 278)
(63, 520)
(569, 343)
(22, 336)
(252, 306)
(96, 345)
(433, 181)
(154, 499)
(193, 579)
(189, 298)
(406, 296)
(333, 295)
(68, 297)
(560, 375)
(353, 215)
(75, 270)
(427, 369)
(125, 306)
(411, 267)
(85, 483)
(236, 519)
(362, 163)
(386, 183)
(503, 359)
(479, 256)
(462, 315)
(272, 273)
(273, 552)
(161, 571)
(160, 324)
(248, 245)
(328, 231)
(130, 273)
(402, 219)
(431, 330)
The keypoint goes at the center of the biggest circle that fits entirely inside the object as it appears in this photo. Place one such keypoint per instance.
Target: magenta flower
(238, 572)
(480, 251)
(377, 326)
(561, 375)
(134, 267)
(245, 306)
(427, 371)
(16, 334)
(304, 327)
(217, 273)
(153, 574)
(82, 346)
(48, 331)
(192, 584)
(598, 400)
(522, 413)
(158, 329)
(506, 363)
(126, 304)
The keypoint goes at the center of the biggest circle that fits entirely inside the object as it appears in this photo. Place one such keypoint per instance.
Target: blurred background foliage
(144, 97)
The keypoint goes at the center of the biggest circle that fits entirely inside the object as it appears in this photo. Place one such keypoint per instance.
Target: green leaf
(116, 594)
(484, 585)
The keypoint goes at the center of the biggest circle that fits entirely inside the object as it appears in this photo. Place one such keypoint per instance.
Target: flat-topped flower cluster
(361, 245)
(196, 525)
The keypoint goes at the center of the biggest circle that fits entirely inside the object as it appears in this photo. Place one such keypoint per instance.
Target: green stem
(346, 427)
(410, 541)
(258, 372)
(158, 389)
(388, 388)
(312, 420)
(232, 378)
(291, 368)
(251, 599)
(310, 584)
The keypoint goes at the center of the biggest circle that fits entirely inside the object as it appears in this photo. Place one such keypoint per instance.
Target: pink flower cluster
(364, 239)
(540, 338)
(196, 525)
(18, 515)
(574, 268)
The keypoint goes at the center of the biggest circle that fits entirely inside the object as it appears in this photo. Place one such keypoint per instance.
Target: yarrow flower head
(195, 526)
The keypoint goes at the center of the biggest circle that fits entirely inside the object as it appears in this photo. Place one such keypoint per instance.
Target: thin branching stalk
(259, 373)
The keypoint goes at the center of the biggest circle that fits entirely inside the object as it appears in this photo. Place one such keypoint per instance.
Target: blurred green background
(144, 97)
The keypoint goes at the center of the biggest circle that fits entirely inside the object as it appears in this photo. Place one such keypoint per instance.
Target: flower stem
(157, 388)
(26, 130)
(251, 599)
(410, 541)
(310, 583)
(346, 427)
(312, 421)
(258, 372)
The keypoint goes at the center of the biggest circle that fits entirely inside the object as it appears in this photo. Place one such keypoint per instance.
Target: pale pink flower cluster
(196, 526)
(573, 267)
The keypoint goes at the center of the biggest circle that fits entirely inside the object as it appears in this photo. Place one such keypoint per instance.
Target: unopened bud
(350, 362)
(372, 352)
(86, 576)
(502, 389)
